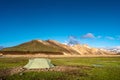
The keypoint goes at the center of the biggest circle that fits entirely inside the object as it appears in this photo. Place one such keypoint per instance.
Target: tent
(38, 63)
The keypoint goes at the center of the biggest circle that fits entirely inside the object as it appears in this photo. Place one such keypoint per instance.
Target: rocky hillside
(52, 47)
(86, 50)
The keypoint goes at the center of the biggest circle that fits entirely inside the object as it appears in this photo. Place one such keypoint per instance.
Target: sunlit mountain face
(53, 47)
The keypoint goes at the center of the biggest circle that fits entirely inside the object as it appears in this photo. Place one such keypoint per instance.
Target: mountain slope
(53, 47)
(67, 49)
(86, 50)
(32, 46)
(40, 46)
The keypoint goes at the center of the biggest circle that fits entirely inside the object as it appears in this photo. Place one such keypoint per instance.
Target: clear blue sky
(94, 22)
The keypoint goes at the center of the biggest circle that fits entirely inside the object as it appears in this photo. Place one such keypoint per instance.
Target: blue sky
(93, 22)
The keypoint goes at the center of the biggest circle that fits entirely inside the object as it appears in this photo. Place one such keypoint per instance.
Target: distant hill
(52, 47)
(1, 47)
(87, 50)
(115, 50)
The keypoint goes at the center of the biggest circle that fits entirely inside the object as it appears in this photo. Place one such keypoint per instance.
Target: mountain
(40, 46)
(87, 50)
(52, 47)
(115, 50)
(1, 47)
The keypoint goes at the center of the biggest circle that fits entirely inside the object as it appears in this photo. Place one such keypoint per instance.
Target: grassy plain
(89, 68)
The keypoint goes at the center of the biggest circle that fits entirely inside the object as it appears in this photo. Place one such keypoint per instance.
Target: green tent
(38, 63)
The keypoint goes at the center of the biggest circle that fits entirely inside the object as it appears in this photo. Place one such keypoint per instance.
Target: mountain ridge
(52, 46)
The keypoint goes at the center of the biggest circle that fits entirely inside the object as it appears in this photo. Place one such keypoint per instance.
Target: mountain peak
(36, 40)
(52, 41)
(54, 47)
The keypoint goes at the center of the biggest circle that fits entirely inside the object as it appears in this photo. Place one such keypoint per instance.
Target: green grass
(109, 69)
(12, 62)
(39, 76)
(113, 61)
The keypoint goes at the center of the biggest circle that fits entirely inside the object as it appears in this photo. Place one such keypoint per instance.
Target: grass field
(100, 68)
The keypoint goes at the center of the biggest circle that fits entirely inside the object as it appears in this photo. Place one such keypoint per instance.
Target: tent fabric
(38, 63)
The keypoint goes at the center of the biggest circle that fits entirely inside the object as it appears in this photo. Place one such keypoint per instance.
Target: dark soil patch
(70, 70)
(10, 71)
